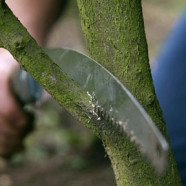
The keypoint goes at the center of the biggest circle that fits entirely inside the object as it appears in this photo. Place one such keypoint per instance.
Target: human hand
(14, 122)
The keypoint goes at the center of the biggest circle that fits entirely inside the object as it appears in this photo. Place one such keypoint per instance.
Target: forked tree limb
(115, 36)
(103, 22)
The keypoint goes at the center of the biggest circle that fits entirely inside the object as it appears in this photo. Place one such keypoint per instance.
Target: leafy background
(61, 151)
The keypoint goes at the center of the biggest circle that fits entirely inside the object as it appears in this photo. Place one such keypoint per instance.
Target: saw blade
(109, 96)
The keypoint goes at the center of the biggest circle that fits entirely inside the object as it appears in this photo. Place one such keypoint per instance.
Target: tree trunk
(115, 36)
(114, 32)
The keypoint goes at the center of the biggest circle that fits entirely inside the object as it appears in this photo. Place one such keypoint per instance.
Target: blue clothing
(169, 78)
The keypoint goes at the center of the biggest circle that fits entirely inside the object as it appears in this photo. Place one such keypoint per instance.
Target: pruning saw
(108, 96)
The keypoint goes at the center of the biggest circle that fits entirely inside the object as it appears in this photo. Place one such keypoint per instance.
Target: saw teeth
(105, 115)
(102, 114)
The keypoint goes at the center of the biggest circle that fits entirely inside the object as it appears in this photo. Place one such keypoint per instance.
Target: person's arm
(37, 16)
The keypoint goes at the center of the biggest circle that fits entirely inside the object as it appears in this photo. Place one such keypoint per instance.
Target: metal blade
(110, 97)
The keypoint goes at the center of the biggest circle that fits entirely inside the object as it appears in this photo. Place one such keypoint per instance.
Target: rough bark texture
(15, 38)
(114, 31)
(115, 36)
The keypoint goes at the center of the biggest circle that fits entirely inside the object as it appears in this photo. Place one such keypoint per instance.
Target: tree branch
(115, 36)
(15, 38)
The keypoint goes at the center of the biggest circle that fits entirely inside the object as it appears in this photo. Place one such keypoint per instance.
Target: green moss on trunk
(114, 31)
(15, 38)
(115, 36)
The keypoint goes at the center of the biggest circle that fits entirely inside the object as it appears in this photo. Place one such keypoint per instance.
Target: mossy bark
(115, 36)
(15, 38)
(114, 31)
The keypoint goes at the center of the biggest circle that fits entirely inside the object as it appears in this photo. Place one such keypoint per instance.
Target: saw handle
(25, 88)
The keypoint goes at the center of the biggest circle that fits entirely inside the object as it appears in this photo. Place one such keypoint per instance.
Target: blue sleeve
(169, 78)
